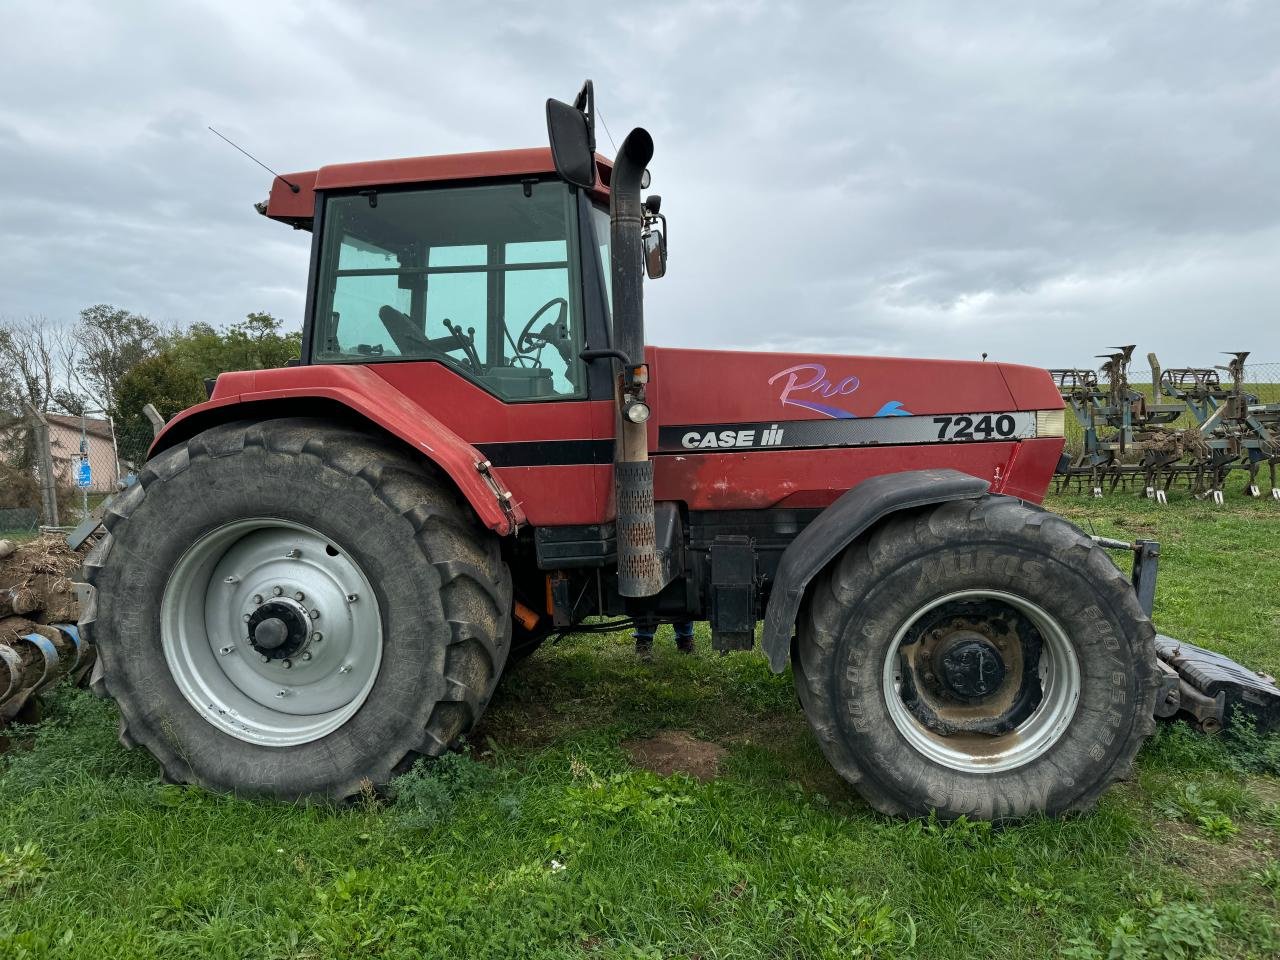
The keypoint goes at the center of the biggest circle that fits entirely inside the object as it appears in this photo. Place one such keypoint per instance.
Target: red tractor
(322, 571)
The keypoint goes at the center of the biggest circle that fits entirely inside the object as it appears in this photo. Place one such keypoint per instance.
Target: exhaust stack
(639, 572)
(643, 569)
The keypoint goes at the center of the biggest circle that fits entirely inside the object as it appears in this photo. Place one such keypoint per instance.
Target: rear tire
(425, 616)
(1069, 687)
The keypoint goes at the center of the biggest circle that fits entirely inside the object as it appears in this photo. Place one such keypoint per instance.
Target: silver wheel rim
(1059, 674)
(242, 571)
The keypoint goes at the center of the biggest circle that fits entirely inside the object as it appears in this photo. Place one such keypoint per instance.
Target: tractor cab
(487, 263)
(486, 279)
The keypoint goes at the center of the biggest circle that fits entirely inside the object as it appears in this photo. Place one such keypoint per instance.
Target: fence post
(44, 458)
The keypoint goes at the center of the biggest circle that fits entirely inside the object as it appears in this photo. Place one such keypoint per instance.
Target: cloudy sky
(1034, 180)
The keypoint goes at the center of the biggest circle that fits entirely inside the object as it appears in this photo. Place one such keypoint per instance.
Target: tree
(108, 342)
(173, 379)
(31, 367)
(163, 381)
(32, 372)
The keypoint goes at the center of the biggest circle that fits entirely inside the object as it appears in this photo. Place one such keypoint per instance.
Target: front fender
(286, 392)
(857, 510)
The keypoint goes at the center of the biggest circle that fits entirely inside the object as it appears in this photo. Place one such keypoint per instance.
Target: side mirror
(655, 240)
(572, 132)
(655, 253)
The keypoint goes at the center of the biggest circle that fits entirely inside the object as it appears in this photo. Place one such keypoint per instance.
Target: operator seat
(408, 340)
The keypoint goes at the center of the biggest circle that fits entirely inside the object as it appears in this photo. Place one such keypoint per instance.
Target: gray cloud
(1033, 180)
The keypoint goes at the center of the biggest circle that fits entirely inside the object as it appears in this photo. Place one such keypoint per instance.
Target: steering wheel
(528, 341)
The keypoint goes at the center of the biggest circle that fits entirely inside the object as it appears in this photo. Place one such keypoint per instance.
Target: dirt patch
(1266, 789)
(676, 751)
(1215, 864)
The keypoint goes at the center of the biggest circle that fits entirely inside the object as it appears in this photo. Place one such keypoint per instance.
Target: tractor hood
(880, 399)
(827, 422)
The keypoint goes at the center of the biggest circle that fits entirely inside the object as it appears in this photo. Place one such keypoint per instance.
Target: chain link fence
(21, 505)
(1260, 379)
(56, 469)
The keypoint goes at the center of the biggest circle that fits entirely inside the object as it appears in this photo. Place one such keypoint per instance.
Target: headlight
(637, 411)
(1051, 423)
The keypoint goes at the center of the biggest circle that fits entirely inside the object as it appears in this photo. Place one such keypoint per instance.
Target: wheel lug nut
(257, 598)
(288, 664)
(276, 591)
(315, 614)
(306, 656)
(246, 618)
(298, 596)
(265, 658)
(317, 637)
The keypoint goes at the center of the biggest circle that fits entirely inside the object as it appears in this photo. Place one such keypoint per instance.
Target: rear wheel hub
(279, 629)
(971, 667)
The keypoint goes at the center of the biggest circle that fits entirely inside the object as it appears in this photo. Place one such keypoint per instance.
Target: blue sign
(84, 476)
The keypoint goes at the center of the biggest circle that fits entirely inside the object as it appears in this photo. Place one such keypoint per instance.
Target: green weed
(21, 869)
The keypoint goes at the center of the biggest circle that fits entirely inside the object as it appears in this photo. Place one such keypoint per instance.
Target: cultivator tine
(11, 673)
(32, 662)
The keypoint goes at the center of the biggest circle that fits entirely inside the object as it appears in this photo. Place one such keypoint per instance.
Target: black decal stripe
(857, 432)
(547, 453)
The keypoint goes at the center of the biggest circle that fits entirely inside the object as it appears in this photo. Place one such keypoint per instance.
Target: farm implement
(1194, 429)
(323, 570)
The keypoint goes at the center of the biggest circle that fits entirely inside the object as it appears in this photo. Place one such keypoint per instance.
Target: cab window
(482, 279)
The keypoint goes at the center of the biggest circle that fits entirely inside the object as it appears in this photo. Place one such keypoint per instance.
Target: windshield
(480, 278)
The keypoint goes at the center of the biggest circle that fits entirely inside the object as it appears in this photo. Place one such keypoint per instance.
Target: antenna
(292, 186)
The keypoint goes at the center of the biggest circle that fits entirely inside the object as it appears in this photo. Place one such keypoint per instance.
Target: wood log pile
(39, 642)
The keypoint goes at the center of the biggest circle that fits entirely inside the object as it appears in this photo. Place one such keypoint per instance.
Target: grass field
(545, 840)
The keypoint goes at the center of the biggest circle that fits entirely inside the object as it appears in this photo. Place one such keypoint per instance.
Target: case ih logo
(807, 383)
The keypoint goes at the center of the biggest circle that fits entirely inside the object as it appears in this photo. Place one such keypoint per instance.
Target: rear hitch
(1210, 689)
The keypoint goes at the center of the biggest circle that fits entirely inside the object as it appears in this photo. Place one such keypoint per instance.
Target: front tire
(294, 609)
(981, 658)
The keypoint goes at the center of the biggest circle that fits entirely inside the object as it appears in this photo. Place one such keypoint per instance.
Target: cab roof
(298, 209)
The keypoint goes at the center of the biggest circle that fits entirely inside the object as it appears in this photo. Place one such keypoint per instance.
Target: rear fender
(857, 510)
(329, 390)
